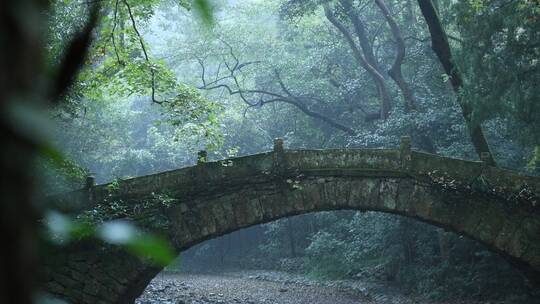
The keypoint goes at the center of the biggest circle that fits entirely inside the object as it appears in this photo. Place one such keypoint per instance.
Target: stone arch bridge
(496, 207)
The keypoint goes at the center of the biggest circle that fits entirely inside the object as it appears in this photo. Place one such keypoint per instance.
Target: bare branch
(112, 32)
(395, 71)
(231, 52)
(201, 63)
(281, 84)
(146, 57)
(235, 88)
(218, 70)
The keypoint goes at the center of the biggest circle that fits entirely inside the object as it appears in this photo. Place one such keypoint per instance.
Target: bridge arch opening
(348, 245)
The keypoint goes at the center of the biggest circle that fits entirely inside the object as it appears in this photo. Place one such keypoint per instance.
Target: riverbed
(269, 287)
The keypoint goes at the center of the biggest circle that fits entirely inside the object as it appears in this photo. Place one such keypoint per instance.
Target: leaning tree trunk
(441, 47)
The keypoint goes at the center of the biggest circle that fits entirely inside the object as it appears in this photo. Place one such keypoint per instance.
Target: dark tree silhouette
(25, 86)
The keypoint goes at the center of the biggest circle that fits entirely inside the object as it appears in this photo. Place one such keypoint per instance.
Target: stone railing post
(200, 173)
(405, 153)
(278, 145)
(89, 183)
(201, 157)
(485, 158)
(279, 163)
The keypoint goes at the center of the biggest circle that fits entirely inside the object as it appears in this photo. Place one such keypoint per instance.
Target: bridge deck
(372, 162)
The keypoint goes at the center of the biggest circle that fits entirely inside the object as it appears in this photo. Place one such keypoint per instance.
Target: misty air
(270, 151)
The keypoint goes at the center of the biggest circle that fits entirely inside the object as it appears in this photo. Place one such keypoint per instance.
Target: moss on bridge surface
(496, 207)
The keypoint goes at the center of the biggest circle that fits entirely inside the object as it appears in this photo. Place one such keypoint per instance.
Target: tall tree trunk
(25, 87)
(378, 78)
(21, 54)
(395, 71)
(408, 241)
(441, 47)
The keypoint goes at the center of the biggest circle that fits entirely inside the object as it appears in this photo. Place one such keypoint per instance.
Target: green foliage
(62, 230)
(156, 249)
(120, 61)
(133, 138)
(193, 114)
(534, 163)
(484, 276)
(325, 256)
(205, 10)
(294, 9)
(61, 174)
(113, 186)
(164, 199)
(142, 244)
(499, 57)
(144, 212)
